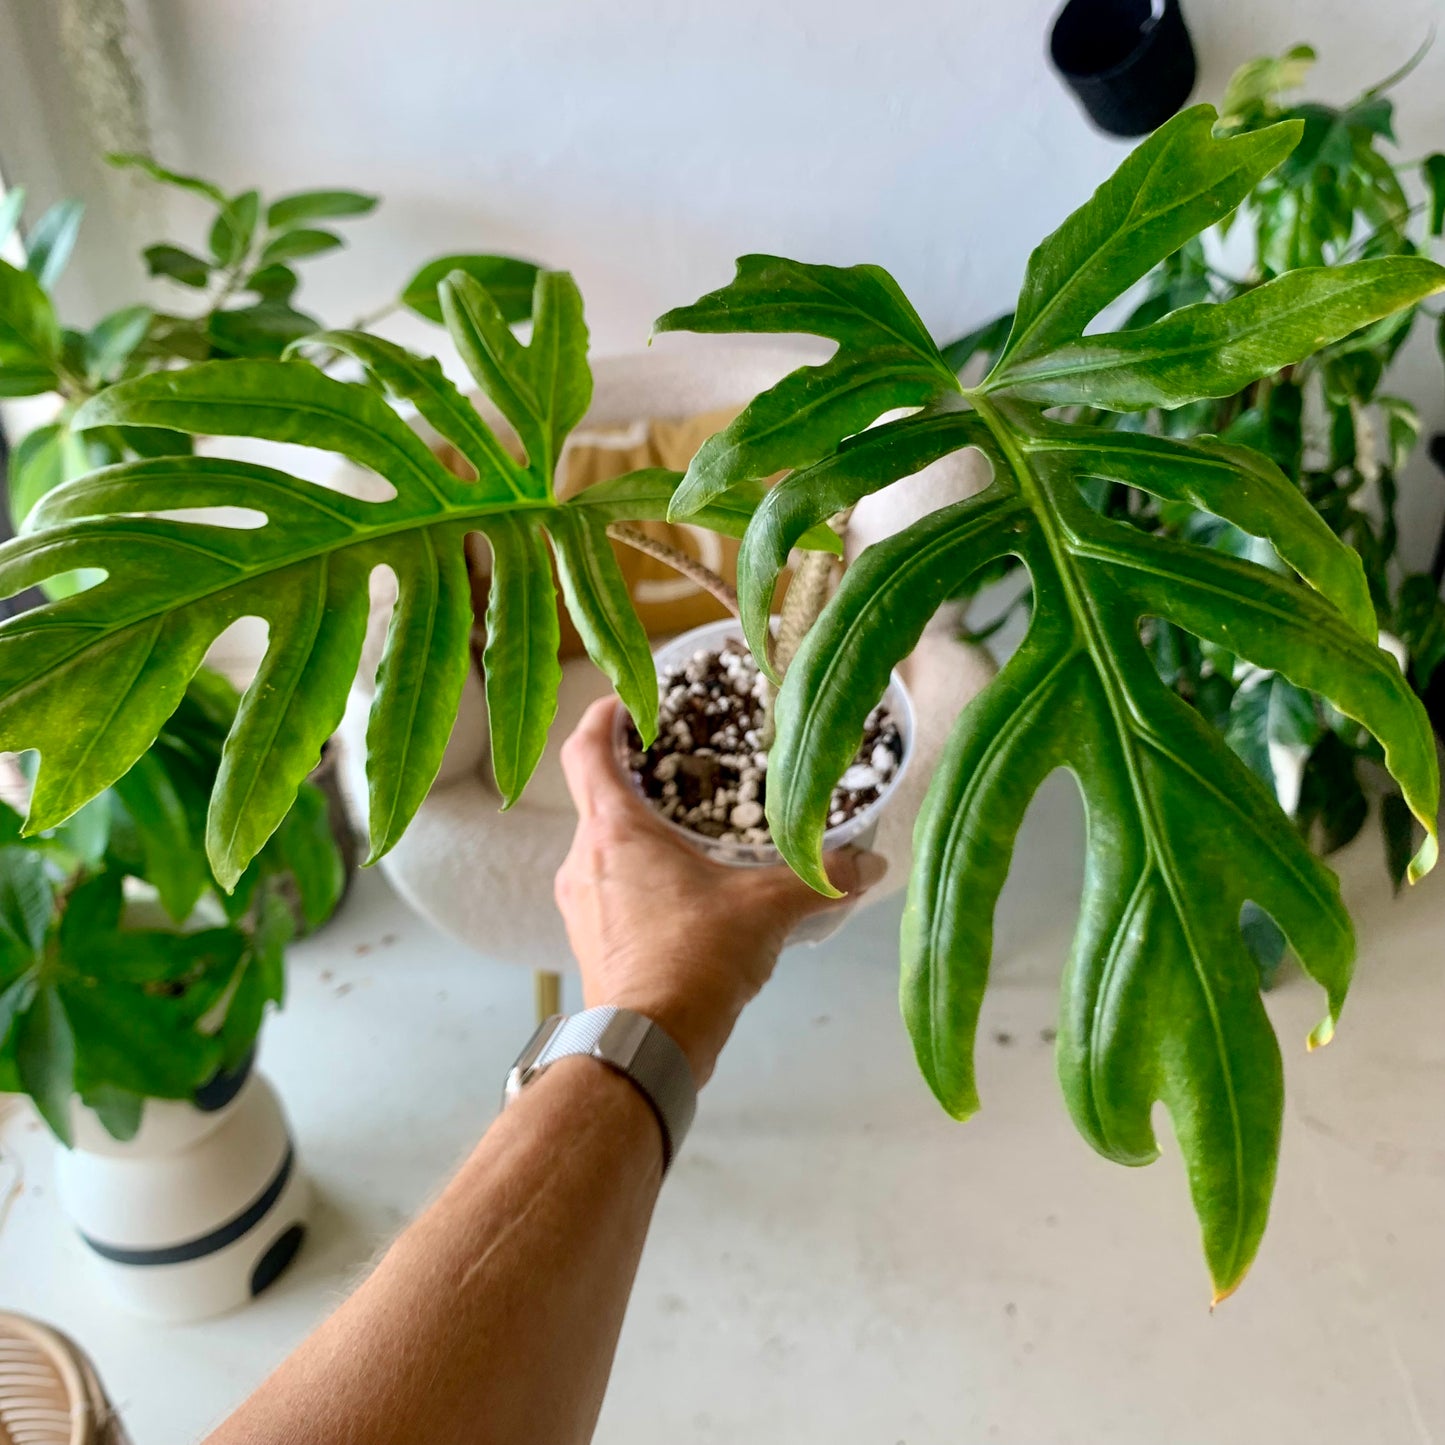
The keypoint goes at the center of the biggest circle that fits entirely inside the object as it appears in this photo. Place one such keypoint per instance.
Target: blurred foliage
(92, 1003)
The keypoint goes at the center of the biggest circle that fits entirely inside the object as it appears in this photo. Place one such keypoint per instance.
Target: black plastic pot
(1130, 62)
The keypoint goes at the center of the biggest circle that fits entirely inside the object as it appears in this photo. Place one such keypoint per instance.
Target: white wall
(645, 143)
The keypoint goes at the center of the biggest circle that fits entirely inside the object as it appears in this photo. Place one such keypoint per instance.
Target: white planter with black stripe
(198, 1213)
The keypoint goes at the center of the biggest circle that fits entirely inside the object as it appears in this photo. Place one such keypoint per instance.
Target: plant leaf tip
(1223, 1290)
(1424, 861)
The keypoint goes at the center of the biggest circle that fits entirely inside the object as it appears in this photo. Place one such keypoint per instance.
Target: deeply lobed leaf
(1186, 845)
(91, 680)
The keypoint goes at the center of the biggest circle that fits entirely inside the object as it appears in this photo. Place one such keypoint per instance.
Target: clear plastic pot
(858, 831)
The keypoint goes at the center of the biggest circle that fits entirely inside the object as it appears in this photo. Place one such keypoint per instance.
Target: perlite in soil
(707, 770)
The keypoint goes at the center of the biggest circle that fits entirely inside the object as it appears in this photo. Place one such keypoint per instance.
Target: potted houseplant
(132, 989)
(244, 284)
(1329, 420)
(1161, 998)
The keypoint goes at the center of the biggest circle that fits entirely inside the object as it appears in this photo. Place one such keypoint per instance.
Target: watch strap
(634, 1046)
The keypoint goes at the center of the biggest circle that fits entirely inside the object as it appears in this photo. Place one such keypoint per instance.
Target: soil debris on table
(707, 771)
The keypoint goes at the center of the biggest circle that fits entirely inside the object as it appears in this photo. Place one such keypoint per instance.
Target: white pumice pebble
(708, 770)
(746, 815)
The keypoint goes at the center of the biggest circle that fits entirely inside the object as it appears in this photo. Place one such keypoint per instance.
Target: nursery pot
(1130, 62)
(858, 831)
(200, 1211)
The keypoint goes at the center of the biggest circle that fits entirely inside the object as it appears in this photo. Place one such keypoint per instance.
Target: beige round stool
(49, 1392)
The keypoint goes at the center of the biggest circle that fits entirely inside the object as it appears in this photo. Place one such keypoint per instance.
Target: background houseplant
(1156, 1004)
(1329, 420)
(243, 288)
(93, 1002)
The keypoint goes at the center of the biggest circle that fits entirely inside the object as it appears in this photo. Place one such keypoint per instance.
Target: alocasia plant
(1160, 1000)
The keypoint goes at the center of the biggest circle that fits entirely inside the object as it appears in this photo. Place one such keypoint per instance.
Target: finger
(852, 870)
(596, 782)
(588, 764)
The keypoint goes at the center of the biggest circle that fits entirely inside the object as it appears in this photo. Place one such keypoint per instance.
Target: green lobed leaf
(862, 465)
(92, 681)
(1212, 350)
(1185, 845)
(419, 681)
(508, 281)
(543, 388)
(421, 381)
(885, 359)
(839, 673)
(1169, 189)
(520, 660)
(601, 610)
(1228, 481)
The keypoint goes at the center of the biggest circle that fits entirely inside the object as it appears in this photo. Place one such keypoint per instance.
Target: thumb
(852, 870)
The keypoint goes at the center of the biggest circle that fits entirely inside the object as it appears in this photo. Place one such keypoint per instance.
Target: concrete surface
(833, 1259)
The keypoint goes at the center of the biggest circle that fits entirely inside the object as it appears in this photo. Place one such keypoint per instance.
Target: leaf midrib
(1125, 359)
(1061, 292)
(948, 876)
(1034, 491)
(175, 604)
(880, 368)
(279, 709)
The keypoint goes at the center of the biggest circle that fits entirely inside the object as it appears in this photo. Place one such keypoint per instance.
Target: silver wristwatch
(627, 1042)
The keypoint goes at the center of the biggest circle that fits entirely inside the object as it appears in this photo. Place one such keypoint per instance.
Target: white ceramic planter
(857, 831)
(198, 1213)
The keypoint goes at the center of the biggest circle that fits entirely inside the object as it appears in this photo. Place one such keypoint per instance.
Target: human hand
(661, 929)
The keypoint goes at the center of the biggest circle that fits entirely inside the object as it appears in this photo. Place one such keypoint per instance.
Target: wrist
(697, 1025)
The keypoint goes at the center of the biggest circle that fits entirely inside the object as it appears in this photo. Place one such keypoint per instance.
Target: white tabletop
(833, 1259)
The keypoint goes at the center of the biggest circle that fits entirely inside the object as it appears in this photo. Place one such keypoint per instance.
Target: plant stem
(372, 318)
(679, 561)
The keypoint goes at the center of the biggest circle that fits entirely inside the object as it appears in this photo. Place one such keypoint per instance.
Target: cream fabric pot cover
(485, 877)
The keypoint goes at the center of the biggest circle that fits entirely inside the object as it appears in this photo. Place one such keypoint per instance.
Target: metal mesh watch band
(628, 1042)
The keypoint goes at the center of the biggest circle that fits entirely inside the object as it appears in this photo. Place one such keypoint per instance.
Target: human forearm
(494, 1317)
